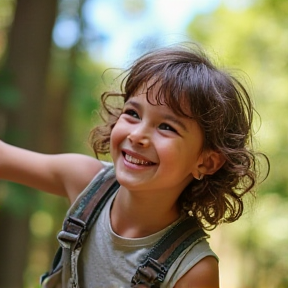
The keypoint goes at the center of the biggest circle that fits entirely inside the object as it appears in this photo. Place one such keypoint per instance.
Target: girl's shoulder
(77, 171)
(94, 174)
(189, 258)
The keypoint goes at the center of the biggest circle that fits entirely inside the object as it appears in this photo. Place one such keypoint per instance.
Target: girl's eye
(131, 113)
(167, 127)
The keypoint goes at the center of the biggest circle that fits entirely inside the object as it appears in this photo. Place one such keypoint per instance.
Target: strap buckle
(72, 231)
(151, 273)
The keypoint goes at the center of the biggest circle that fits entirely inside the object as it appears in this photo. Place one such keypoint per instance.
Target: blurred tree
(23, 88)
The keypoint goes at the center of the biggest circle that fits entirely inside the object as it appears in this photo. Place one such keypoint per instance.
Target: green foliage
(87, 86)
(9, 95)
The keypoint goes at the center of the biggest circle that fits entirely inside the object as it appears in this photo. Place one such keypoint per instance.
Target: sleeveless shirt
(108, 260)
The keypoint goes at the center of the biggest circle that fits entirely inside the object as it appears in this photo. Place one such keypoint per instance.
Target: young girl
(181, 147)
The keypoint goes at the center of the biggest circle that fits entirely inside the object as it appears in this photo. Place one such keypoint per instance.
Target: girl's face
(153, 149)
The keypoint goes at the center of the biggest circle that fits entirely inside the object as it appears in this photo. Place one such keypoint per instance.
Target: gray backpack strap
(76, 226)
(153, 270)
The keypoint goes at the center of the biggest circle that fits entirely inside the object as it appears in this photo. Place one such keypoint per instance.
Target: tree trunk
(28, 58)
(27, 62)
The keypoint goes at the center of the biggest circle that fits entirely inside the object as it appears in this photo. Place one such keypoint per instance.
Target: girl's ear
(212, 161)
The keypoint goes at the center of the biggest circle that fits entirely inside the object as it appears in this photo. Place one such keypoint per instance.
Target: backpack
(83, 214)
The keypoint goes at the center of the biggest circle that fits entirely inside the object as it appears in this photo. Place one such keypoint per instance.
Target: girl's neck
(136, 215)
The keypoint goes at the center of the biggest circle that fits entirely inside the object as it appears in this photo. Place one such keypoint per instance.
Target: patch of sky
(66, 32)
(123, 29)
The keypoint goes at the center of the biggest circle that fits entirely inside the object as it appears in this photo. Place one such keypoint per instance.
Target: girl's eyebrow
(165, 116)
(133, 103)
(175, 120)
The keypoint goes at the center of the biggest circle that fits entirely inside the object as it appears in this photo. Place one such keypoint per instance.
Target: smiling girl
(181, 147)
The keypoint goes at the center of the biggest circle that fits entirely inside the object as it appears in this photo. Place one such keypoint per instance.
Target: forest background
(52, 61)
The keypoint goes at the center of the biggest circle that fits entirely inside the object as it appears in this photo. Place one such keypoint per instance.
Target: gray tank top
(108, 260)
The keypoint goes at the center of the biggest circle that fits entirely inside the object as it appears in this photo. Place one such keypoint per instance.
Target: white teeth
(133, 160)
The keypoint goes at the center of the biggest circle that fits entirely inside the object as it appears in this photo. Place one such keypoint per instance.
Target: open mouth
(136, 161)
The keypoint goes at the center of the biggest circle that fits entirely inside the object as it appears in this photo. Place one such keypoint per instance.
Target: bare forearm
(23, 166)
(62, 174)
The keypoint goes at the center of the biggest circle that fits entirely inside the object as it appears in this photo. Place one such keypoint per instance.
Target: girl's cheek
(112, 139)
(115, 136)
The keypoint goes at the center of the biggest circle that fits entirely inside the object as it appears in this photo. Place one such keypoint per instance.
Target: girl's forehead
(157, 94)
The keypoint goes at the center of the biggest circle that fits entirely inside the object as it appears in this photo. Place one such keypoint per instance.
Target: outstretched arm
(60, 174)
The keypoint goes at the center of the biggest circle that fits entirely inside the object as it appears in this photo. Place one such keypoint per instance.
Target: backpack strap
(77, 224)
(153, 270)
(86, 211)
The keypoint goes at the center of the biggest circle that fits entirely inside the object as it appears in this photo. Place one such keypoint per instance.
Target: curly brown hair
(221, 106)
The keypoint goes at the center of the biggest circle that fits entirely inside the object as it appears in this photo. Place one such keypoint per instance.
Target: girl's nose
(139, 137)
